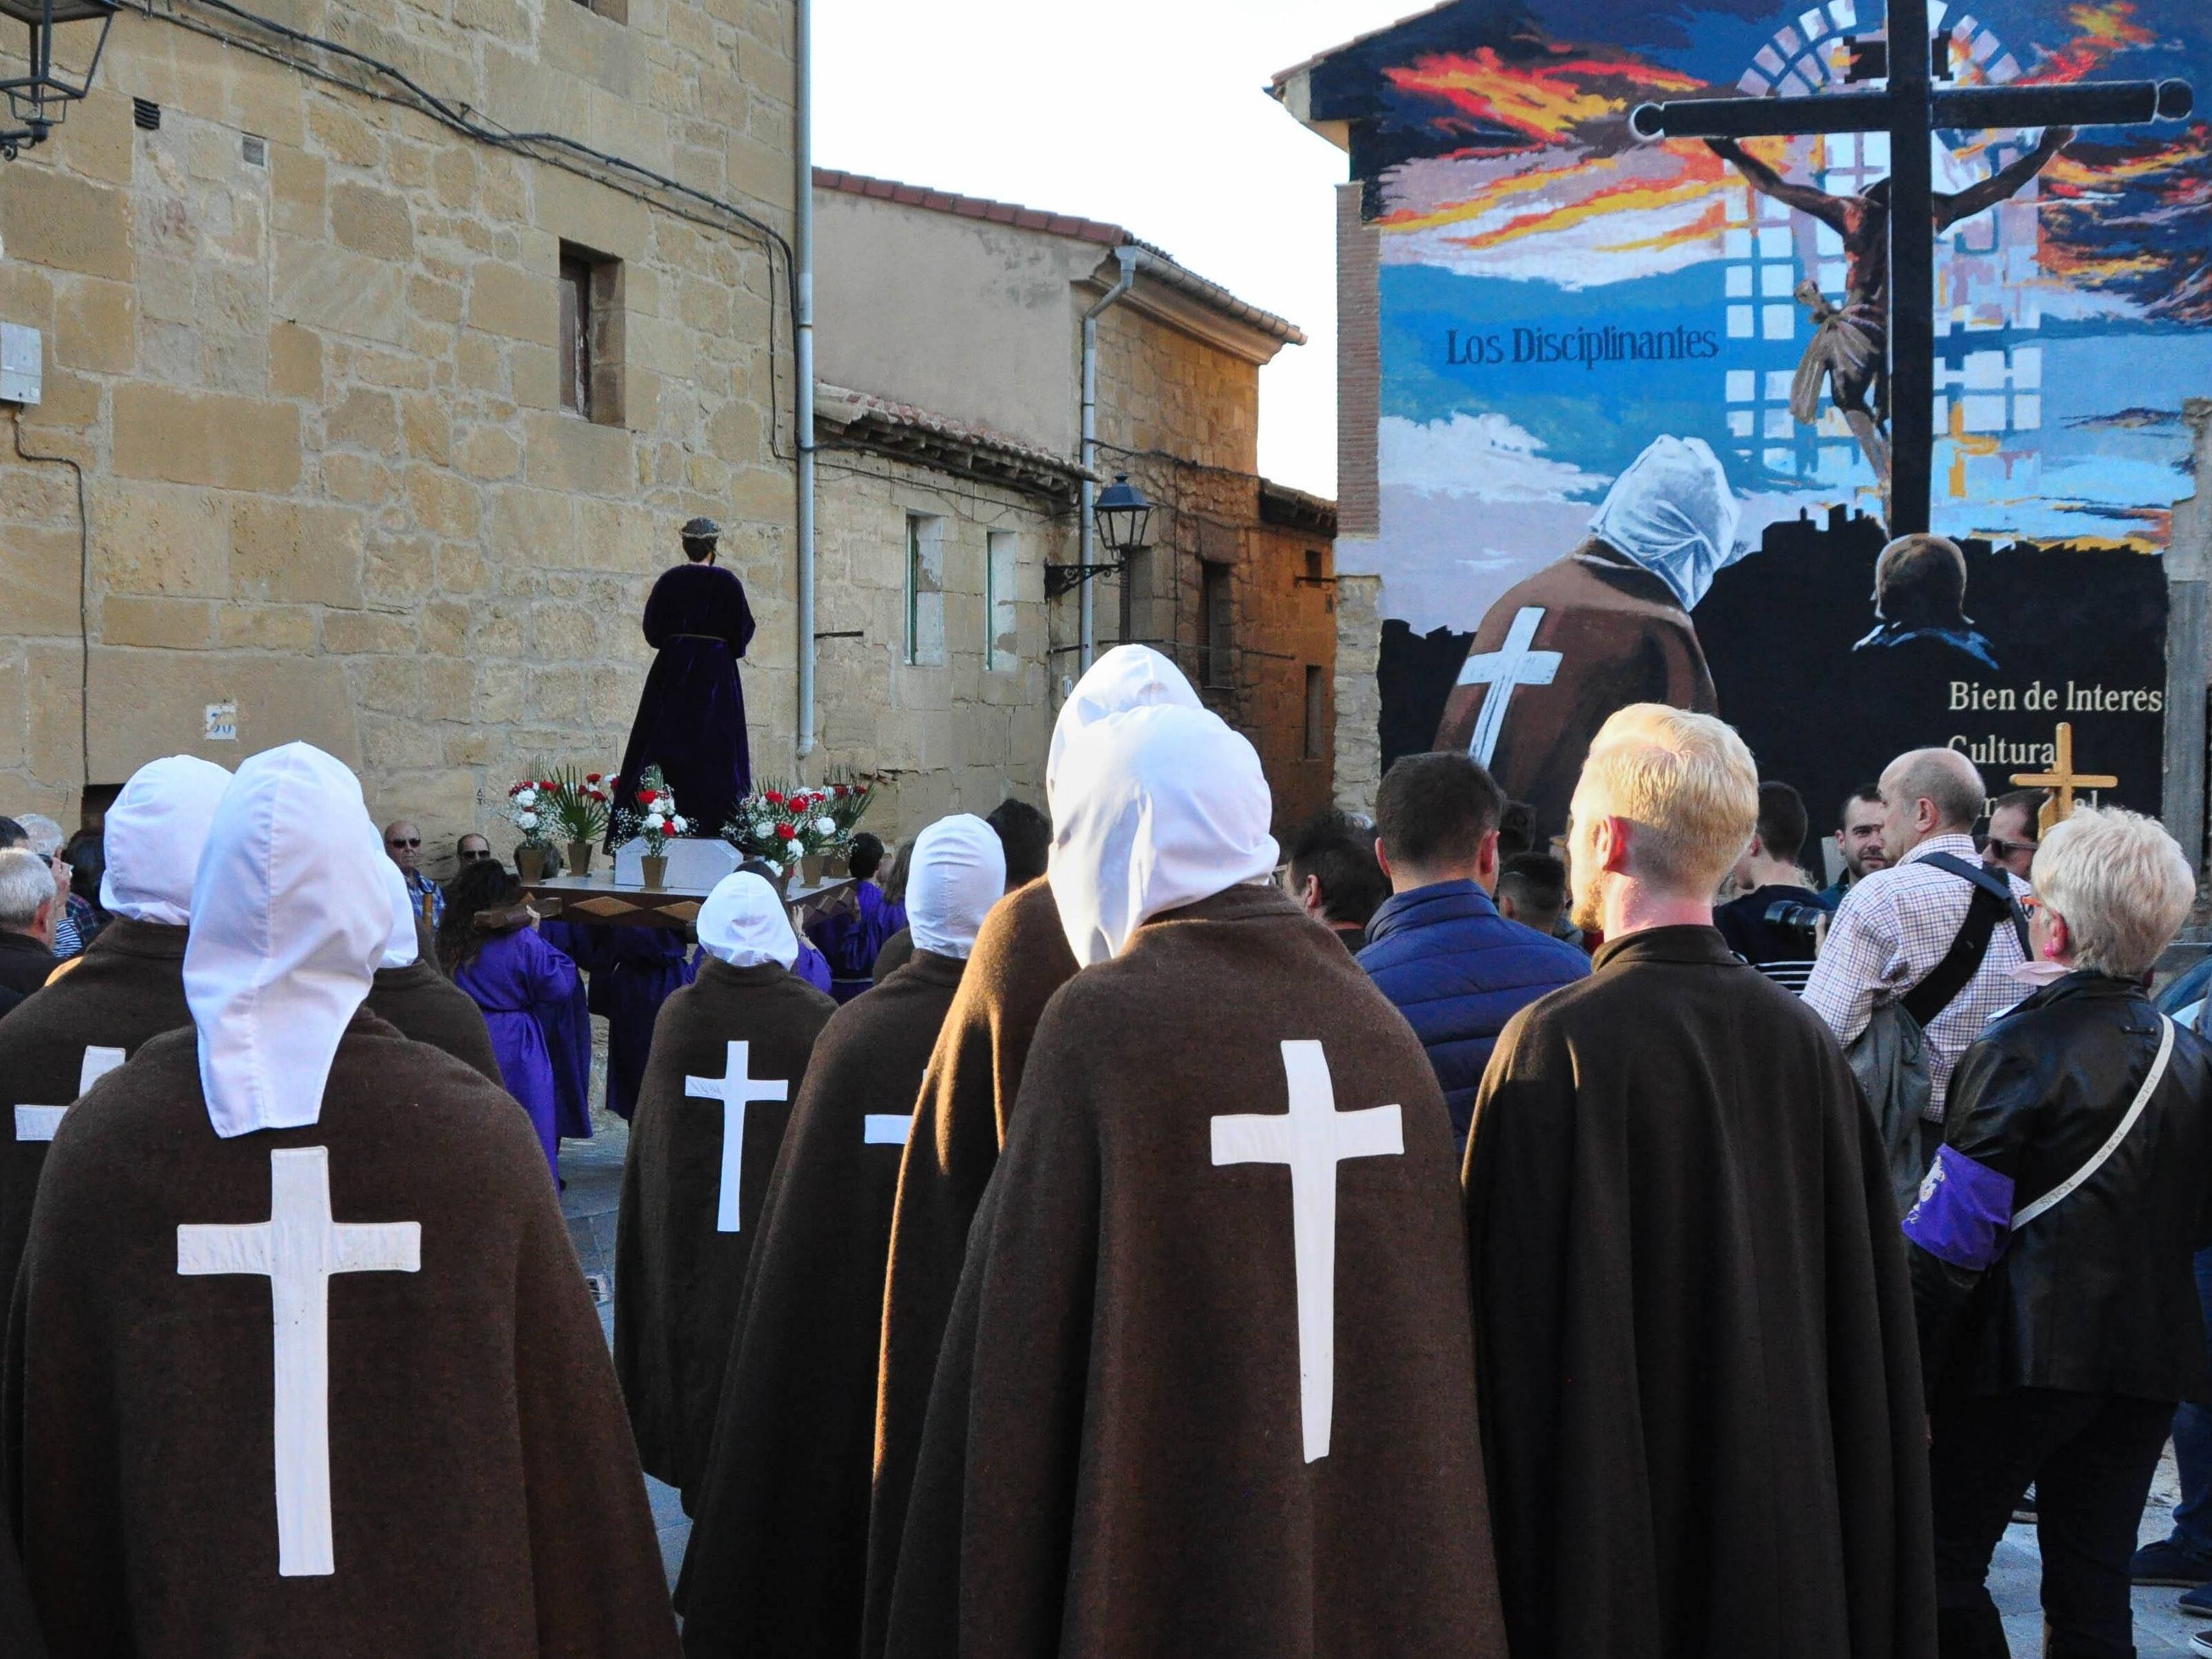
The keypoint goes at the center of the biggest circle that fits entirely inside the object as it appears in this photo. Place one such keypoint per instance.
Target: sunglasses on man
(474, 854)
(405, 841)
(2002, 848)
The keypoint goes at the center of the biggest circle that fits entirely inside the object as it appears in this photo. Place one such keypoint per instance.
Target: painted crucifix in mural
(1849, 351)
(1911, 111)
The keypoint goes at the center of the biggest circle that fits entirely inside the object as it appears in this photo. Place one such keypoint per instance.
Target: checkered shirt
(1893, 928)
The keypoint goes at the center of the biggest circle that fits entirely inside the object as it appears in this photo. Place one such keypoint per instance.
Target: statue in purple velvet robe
(691, 719)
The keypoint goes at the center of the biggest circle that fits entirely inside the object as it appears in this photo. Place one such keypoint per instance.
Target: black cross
(1910, 111)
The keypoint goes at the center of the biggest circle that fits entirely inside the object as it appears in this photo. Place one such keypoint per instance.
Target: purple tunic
(691, 718)
(520, 981)
(633, 971)
(812, 966)
(851, 940)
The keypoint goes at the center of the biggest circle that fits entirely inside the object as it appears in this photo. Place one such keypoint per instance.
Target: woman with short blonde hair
(2051, 1246)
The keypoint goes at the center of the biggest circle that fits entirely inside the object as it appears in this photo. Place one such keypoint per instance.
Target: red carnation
(785, 832)
(592, 777)
(647, 797)
(773, 798)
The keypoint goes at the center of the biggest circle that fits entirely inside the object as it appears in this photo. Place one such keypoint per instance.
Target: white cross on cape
(40, 1122)
(1512, 664)
(297, 1250)
(1313, 1138)
(736, 1088)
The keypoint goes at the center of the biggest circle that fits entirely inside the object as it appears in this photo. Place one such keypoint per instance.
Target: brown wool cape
(678, 1275)
(779, 1552)
(1700, 1378)
(425, 1006)
(1021, 958)
(1114, 1463)
(485, 1498)
(129, 988)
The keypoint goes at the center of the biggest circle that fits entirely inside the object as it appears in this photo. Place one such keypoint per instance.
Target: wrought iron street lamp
(1124, 519)
(37, 101)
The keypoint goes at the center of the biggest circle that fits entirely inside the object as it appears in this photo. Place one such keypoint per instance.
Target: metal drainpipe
(1128, 254)
(803, 352)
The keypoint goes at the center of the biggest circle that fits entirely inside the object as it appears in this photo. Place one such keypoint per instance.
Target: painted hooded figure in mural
(1606, 626)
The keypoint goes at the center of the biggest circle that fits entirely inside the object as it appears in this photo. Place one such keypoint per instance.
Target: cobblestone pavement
(592, 1169)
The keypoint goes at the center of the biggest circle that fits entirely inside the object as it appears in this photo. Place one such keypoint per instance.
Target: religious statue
(1850, 341)
(691, 718)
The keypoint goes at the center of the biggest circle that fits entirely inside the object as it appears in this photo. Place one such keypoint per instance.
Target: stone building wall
(955, 734)
(313, 393)
(1181, 416)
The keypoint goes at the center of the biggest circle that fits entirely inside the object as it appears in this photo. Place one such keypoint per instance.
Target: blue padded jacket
(1458, 971)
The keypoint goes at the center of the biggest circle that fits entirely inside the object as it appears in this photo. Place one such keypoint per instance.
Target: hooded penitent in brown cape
(1701, 1384)
(778, 1553)
(483, 1494)
(684, 1240)
(1610, 633)
(1145, 1472)
(1021, 958)
(425, 1006)
(130, 987)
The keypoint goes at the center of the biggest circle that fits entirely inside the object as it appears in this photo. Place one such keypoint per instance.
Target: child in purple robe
(851, 925)
(523, 986)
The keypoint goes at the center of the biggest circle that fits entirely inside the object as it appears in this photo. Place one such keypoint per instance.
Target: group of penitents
(1103, 1284)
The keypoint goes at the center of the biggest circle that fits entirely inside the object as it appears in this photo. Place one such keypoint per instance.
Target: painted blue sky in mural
(1555, 294)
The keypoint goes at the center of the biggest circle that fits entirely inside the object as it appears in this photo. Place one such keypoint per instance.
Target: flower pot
(530, 864)
(810, 870)
(580, 858)
(655, 870)
(835, 868)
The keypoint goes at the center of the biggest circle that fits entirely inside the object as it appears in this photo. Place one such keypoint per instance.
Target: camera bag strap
(1992, 902)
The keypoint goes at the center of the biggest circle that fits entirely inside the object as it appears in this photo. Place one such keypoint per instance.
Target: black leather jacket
(2097, 1294)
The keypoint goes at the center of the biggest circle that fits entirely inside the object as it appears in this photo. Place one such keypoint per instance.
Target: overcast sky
(1148, 113)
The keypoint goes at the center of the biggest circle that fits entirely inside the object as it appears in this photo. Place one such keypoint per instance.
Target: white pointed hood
(289, 918)
(154, 832)
(1156, 808)
(743, 923)
(1673, 513)
(1128, 677)
(403, 947)
(959, 871)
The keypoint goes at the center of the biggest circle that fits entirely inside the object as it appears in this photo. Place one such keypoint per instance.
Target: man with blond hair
(2051, 1247)
(1921, 955)
(1690, 1294)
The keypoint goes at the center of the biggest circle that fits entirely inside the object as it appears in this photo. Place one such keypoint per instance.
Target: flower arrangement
(575, 804)
(779, 824)
(652, 815)
(525, 811)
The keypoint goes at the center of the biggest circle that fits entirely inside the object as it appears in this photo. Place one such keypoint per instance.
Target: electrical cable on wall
(471, 124)
(83, 600)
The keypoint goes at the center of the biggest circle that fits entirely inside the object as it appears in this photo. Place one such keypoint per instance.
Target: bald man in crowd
(1935, 938)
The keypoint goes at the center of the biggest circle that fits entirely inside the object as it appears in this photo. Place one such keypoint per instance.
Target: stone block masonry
(314, 384)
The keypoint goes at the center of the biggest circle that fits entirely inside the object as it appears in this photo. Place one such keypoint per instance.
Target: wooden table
(598, 900)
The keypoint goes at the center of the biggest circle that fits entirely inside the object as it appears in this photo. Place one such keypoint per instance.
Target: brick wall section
(957, 736)
(1358, 366)
(329, 478)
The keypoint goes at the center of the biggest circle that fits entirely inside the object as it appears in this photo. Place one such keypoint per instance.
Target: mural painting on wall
(1634, 438)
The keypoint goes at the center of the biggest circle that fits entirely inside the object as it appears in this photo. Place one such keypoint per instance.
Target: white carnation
(527, 798)
(655, 820)
(526, 820)
(678, 825)
(762, 828)
(825, 826)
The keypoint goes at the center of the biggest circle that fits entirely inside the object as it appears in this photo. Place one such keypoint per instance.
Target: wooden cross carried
(2062, 780)
(1911, 111)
